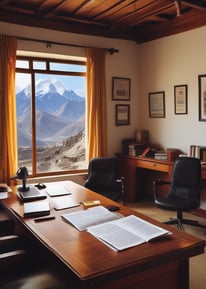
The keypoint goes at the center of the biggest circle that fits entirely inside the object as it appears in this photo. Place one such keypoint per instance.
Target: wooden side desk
(140, 173)
(128, 167)
(89, 264)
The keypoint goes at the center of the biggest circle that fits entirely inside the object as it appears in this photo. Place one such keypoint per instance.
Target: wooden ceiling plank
(138, 10)
(82, 5)
(153, 9)
(104, 8)
(123, 8)
(50, 11)
(101, 11)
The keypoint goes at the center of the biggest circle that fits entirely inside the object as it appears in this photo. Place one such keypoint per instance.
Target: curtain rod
(49, 43)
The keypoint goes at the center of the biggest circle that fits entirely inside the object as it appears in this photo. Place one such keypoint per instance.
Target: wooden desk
(90, 264)
(128, 167)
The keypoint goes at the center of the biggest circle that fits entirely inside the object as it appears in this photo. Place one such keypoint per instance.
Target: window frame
(30, 70)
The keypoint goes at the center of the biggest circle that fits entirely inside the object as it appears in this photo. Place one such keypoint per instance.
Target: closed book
(36, 209)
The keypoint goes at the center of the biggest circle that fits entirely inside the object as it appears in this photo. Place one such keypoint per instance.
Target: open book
(126, 232)
(113, 229)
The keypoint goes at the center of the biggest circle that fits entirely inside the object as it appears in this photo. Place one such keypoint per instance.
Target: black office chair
(103, 178)
(184, 191)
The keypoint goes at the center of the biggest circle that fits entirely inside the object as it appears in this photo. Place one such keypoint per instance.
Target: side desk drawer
(153, 166)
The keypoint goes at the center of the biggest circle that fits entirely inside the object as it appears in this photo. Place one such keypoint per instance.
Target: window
(50, 102)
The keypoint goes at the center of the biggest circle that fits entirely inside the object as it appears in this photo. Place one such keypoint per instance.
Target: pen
(44, 219)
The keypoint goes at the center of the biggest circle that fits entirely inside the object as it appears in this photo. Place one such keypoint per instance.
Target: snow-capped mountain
(56, 110)
(45, 86)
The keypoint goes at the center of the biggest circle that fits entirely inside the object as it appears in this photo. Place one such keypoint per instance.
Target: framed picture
(120, 88)
(202, 97)
(180, 99)
(157, 104)
(122, 114)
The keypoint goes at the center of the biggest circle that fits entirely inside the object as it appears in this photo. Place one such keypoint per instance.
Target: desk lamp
(21, 174)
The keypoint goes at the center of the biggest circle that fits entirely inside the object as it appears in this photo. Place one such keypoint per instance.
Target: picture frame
(157, 104)
(180, 99)
(122, 115)
(120, 88)
(202, 97)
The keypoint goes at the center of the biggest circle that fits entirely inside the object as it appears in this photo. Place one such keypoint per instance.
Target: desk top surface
(89, 258)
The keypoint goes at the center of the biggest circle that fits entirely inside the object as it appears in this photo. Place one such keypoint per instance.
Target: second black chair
(103, 178)
(184, 191)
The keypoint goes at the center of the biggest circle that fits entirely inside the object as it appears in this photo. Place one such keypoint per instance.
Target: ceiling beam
(200, 5)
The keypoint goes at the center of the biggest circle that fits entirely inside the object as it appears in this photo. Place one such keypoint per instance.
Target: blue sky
(77, 84)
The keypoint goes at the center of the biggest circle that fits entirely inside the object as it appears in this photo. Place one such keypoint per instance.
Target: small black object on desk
(44, 219)
(40, 186)
(112, 208)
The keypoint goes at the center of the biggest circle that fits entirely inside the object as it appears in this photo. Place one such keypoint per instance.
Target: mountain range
(60, 113)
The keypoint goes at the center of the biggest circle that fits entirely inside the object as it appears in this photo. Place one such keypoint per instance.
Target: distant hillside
(70, 155)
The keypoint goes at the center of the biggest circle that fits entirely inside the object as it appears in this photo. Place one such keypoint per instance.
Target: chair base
(179, 222)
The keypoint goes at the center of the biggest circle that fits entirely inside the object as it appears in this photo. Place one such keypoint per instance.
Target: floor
(197, 263)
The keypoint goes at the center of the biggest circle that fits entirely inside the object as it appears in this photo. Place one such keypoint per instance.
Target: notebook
(36, 209)
(64, 203)
(57, 190)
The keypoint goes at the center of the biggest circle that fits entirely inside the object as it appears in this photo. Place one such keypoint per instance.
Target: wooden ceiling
(139, 20)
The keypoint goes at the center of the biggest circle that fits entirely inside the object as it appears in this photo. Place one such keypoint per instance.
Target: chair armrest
(161, 182)
(121, 181)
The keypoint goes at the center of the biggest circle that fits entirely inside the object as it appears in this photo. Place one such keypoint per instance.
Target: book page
(115, 237)
(84, 218)
(126, 232)
(142, 228)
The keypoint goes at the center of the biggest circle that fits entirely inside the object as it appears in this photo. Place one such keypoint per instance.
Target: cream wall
(154, 66)
(163, 63)
(122, 64)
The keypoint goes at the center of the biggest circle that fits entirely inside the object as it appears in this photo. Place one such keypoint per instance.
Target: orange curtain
(8, 142)
(96, 104)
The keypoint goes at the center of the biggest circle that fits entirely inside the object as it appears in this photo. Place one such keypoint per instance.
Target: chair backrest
(102, 173)
(186, 177)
